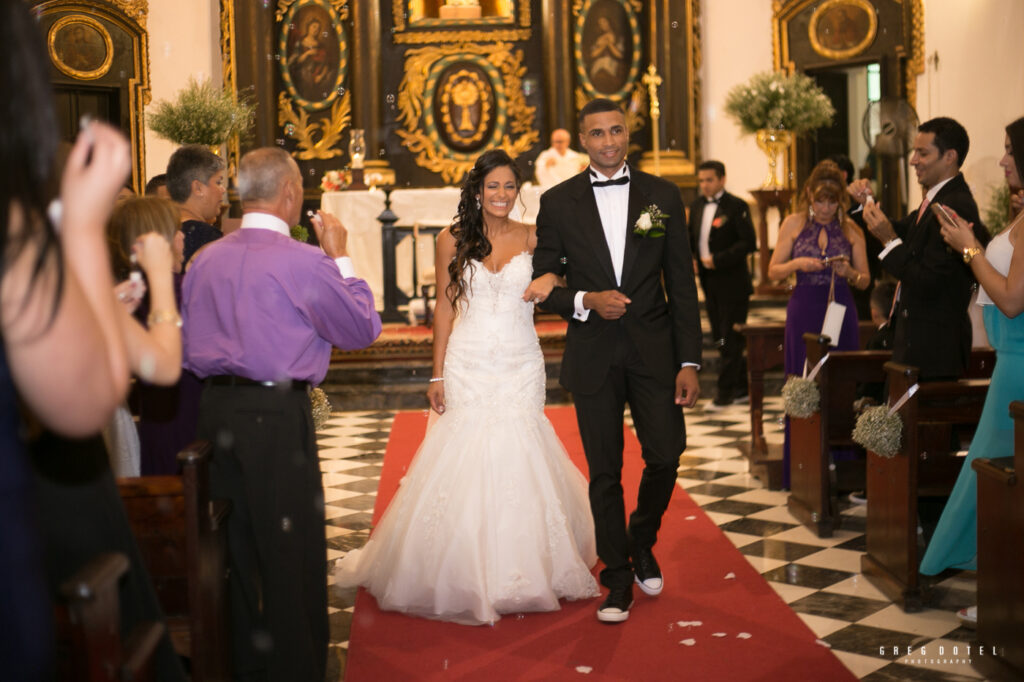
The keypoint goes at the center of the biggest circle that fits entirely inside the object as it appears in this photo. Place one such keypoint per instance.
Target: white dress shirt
(705, 224)
(613, 207)
(266, 221)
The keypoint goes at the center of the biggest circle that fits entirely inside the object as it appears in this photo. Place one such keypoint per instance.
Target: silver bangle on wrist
(434, 380)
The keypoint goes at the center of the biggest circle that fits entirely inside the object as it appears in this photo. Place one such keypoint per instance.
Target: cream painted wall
(736, 43)
(977, 79)
(184, 40)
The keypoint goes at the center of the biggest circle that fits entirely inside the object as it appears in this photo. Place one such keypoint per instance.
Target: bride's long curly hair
(468, 229)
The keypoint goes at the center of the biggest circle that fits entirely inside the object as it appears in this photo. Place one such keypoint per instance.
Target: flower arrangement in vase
(202, 114)
(776, 107)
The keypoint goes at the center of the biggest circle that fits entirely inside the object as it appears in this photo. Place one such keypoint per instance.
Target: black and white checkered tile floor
(819, 578)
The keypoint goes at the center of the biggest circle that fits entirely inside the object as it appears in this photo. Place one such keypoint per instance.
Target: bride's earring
(478, 203)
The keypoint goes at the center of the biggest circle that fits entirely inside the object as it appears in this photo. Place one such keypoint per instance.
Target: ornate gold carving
(84, 66)
(524, 12)
(465, 90)
(915, 65)
(228, 70)
(340, 6)
(514, 131)
(432, 37)
(136, 9)
(398, 12)
(329, 129)
(862, 41)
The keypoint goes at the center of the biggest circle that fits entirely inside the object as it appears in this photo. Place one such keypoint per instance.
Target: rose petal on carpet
(706, 625)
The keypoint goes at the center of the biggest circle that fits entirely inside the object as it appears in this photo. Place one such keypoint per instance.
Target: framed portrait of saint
(314, 53)
(80, 47)
(840, 29)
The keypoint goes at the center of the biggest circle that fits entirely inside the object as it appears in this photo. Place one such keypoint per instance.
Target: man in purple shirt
(261, 312)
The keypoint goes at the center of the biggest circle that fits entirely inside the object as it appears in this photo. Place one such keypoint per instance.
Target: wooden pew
(813, 499)
(181, 534)
(938, 421)
(764, 353)
(1001, 561)
(89, 646)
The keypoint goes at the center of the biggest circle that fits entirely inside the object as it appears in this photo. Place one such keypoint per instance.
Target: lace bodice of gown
(807, 245)
(493, 362)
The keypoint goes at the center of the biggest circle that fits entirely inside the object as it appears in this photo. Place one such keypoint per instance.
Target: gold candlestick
(652, 80)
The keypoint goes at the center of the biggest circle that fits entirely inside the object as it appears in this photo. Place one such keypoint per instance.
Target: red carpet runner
(746, 631)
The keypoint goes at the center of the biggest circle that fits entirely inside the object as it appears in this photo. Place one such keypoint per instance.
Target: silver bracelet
(436, 379)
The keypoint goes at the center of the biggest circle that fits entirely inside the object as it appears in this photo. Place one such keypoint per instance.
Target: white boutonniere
(651, 222)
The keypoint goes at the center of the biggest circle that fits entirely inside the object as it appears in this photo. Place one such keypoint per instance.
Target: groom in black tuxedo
(634, 336)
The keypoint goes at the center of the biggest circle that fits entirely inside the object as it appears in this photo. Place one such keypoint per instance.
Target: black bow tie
(712, 200)
(624, 180)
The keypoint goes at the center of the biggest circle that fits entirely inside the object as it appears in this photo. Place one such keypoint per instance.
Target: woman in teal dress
(999, 270)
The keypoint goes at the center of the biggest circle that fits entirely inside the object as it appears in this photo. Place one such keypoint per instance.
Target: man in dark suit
(932, 328)
(618, 237)
(721, 236)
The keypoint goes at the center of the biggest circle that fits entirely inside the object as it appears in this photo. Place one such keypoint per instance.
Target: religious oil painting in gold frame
(80, 47)
(314, 54)
(840, 29)
(607, 49)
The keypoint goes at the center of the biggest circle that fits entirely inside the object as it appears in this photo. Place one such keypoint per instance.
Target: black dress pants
(659, 427)
(724, 312)
(265, 462)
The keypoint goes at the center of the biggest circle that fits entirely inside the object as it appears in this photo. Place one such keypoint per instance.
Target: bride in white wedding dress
(492, 516)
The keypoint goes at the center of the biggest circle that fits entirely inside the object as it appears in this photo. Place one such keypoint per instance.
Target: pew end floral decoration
(321, 408)
(880, 430)
(336, 180)
(651, 222)
(800, 397)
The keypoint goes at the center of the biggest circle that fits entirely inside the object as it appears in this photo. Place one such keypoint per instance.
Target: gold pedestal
(377, 173)
(773, 141)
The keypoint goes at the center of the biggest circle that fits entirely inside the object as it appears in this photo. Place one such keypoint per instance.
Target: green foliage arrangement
(801, 397)
(202, 114)
(998, 206)
(771, 99)
(879, 431)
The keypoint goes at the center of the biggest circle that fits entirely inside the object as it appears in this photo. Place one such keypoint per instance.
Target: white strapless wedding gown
(492, 516)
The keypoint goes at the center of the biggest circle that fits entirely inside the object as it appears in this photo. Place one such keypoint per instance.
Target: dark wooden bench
(938, 422)
(89, 646)
(1001, 561)
(764, 353)
(181, 534)
(813, 499)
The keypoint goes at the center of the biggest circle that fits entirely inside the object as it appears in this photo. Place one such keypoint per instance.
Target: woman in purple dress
(827, 252)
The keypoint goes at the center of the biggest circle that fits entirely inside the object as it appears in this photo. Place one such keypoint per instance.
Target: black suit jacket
(663, 319)
(729, 243)
(932, 327)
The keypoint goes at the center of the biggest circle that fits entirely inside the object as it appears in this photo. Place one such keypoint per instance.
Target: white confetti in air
(689, 623)
(688, 642)
(718, 634)
(691, 517)
(730, 576)
(585, 669)
(743, 635)
(823, 643)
